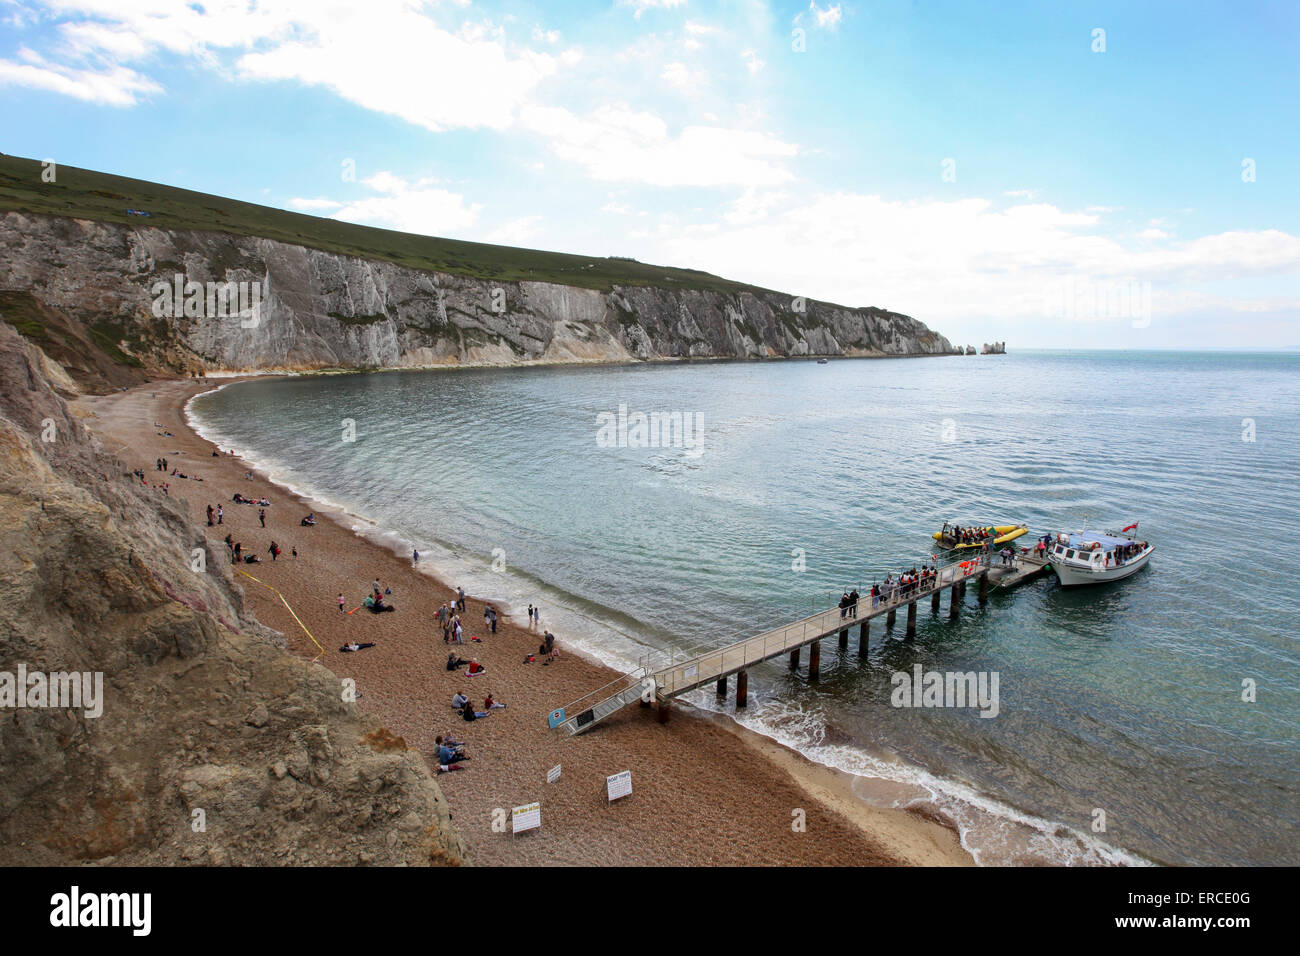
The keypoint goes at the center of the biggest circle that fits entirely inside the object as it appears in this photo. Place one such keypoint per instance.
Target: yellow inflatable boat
(961, 537)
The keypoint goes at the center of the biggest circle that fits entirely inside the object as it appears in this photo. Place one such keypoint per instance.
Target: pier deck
(1025, 567)
(664, 681)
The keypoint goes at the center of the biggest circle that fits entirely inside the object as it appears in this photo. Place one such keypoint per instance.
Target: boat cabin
(1090, 549)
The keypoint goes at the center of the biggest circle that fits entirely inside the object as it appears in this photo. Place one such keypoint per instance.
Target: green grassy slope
(85, 194)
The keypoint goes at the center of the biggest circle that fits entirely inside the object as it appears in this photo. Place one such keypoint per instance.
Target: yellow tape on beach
(286, 604)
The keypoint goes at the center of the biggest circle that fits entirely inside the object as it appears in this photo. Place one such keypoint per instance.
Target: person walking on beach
(415, 557)
(342, 603)
(537, 615)
(220, 513)
(494, 620)
(530, 615)
(261, 516)
(460, 599)
(275, 550)
(210, 514)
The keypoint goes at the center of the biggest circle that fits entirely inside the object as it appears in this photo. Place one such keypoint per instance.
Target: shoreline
(713, 801)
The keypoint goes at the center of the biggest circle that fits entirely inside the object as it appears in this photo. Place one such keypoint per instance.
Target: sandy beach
(706, 791)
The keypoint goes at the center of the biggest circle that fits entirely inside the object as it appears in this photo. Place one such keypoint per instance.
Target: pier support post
(911, 621)
(934, 600)
(814, 659)
(742, 688)
(665, 707)
(984, 587)
(954, 600)
(864, 638)
(844, 638)
(722, 687)
(891, 617)
(794, 659)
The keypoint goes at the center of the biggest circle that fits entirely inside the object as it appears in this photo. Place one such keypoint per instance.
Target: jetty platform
(660, 678)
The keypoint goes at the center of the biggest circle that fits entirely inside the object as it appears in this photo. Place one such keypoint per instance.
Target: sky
(1052, 175)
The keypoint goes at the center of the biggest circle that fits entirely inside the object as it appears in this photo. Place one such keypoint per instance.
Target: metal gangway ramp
(663, 679)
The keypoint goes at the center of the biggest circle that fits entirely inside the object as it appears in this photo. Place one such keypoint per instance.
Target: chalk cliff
(327, 310)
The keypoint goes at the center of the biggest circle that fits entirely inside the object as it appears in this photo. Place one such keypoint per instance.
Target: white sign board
(528, 817)
(553, 774)
(619, 785)
(690, 672)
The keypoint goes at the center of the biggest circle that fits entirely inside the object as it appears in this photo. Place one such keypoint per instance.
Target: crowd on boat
(969, 535)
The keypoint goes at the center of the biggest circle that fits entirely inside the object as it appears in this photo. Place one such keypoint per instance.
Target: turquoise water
(1124, 698)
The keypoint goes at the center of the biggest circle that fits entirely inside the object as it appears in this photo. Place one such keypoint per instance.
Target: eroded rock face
(201, 708)
(324, 310)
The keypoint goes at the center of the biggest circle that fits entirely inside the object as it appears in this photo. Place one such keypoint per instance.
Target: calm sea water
(1124, 698)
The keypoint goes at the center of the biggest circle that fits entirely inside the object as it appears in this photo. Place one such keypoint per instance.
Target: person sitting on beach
(449, 755)
(454, 662)
(308, 521)
(252, 559)
(458, 700)
(475, 668)
(469, 713)
(490, 704)
(377, 605)
(354, 646)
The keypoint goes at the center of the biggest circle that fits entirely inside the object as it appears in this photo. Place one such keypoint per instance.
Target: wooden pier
(660, 681)
(1024, 567)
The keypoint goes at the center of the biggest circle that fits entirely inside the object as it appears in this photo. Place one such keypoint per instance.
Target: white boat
(1093, 557)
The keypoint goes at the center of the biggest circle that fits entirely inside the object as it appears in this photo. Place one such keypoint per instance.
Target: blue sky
(990, 169)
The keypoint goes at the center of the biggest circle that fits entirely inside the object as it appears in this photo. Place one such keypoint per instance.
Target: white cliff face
(325, 310)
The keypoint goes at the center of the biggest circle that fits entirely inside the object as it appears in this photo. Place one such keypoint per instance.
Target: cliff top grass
(86, 194)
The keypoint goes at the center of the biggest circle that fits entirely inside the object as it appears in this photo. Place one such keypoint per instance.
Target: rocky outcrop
(213, 744)
(326, 310)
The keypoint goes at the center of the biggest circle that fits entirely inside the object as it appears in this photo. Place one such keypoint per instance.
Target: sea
(658, 509)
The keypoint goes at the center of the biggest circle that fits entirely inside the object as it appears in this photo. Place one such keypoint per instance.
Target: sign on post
(527, 817)
(553, 774)
(619, 785)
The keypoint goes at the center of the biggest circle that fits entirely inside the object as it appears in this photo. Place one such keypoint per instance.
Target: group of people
(473, 670)
(461, 703)
(453, 632)
(970, 535)
(374, 602)
(849, 604)
(909, 583)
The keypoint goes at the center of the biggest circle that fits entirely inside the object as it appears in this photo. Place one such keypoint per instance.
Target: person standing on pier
(853, 603)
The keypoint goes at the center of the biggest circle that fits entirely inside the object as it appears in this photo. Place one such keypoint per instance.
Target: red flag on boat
(1132, 527)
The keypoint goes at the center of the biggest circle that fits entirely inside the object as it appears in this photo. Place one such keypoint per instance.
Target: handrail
(893, 599)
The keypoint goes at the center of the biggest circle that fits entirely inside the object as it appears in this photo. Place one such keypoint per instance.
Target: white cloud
(618, 144)
(966, 259)
(1153, 234)
(681, 77)
(107, 86)
(401, 204)
(516, 231)
(641, 6)
(752, 62)
(827, 19)
(313, 205)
